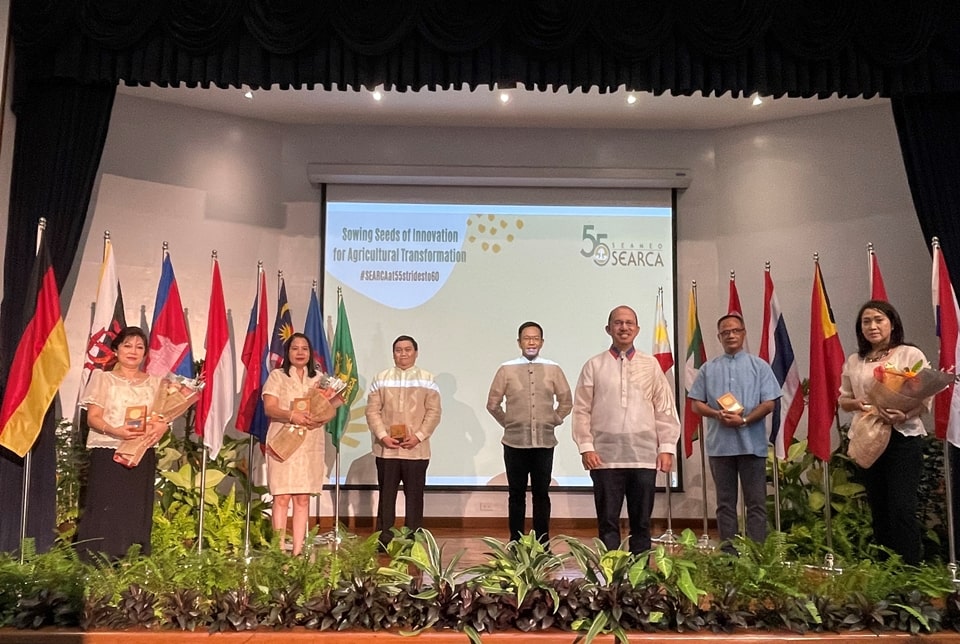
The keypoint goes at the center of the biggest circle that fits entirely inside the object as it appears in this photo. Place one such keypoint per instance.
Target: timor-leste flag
(826, 364)
(40, 362)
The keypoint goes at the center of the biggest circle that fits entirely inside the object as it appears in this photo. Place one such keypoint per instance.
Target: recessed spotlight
(504, 97)
(377, 95)
(248, 95)
(631, 99)
(757, 100)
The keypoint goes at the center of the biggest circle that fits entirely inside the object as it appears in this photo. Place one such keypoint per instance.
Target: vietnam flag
(696, 356)
(826, 363)
(734, 307)
(40, 363)
(877, 290)
(215, 407)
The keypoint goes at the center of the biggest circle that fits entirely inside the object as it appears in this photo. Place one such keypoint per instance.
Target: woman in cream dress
(302, 474)
(118, 503)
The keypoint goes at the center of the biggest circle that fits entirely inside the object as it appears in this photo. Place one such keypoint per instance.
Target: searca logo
(624, 254)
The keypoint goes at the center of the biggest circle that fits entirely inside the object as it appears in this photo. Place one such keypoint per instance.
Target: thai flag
(776, 350)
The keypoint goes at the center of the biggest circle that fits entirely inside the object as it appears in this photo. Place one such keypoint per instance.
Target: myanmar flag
(696, 356)
(40, 363)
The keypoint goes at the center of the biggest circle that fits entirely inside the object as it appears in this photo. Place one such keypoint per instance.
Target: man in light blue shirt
(735, 392)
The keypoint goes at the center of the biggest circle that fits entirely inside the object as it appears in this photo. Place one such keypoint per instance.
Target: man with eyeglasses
(735, 392)
(529, 398)
(626, 428)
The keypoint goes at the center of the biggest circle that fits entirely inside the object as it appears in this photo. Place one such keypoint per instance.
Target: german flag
(40, 363)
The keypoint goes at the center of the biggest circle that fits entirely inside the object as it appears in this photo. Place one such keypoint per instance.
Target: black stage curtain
(775, 47)
(61, 129)
(928, 127)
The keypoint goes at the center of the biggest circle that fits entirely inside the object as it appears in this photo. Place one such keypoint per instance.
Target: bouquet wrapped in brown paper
(174, 397)
(321, 402)
(892, 388)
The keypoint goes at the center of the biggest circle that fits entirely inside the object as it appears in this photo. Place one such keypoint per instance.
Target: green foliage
(72, 462)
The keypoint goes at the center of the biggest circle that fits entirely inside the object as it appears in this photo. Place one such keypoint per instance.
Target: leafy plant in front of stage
(802, 503)
(224, 495)
(523, 569)
(45, 590)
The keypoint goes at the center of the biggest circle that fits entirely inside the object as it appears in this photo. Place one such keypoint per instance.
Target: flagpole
(775, 471)
(827, 513)
(740, 499)
(204, 451)
(870, 268)
(336, 483)
(27, 458)
(704, 541)
(668, 536)
(246, 522)
(947, 469)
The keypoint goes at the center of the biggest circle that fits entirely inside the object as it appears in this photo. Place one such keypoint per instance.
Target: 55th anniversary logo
(604, 252)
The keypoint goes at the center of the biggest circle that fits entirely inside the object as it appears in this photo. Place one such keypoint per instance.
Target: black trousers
(610, 487)
(535, 463)
(391, 472)
(892, 483)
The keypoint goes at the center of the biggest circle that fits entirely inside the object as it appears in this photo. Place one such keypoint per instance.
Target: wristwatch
(744, 422)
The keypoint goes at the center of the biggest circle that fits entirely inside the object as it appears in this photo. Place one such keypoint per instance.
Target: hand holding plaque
(729, 403)
(174, 397)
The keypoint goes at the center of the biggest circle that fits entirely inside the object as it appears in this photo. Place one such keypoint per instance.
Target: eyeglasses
(730, 332)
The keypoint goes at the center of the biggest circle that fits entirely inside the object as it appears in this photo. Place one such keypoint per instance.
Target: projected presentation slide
(460, 279)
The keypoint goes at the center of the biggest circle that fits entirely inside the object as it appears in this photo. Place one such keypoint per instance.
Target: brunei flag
(40, 363)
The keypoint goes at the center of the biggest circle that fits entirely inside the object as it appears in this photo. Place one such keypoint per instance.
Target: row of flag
(42, 358)
(826, 358)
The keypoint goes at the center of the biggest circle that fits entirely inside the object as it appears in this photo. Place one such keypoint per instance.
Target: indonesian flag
(696, 356)
(661, 340)
(946, 404)
(215, 407)
(775, 349)
(826, 364)
(877, 290)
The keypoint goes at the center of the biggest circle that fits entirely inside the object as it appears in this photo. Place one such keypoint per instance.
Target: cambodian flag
(169, 338)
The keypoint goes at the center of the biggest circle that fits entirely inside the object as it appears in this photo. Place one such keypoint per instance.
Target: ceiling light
(504, 97)
(248, 95)
(757, 100)
(377, 95)
(631, 99)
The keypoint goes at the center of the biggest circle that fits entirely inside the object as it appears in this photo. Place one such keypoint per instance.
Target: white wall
(775, 191)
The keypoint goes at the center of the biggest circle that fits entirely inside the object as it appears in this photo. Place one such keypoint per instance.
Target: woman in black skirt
(118, 509)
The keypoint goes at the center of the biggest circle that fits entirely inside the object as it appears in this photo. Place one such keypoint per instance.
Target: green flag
(344, 368)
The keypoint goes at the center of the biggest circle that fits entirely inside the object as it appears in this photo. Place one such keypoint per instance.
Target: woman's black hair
(125, 333)
(311, 363)
(896, 326)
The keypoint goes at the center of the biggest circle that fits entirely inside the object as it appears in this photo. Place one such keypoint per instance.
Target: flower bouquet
(175, 396)
(892, 388)
(321, 402)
